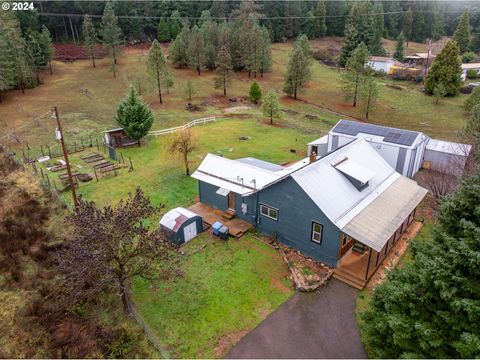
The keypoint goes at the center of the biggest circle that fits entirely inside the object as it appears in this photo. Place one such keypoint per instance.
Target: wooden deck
(236, 227)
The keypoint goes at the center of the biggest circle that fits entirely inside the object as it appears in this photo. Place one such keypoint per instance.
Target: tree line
(23, 56)
(284, 19)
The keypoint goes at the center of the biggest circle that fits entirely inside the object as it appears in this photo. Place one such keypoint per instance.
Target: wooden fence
(185, 126)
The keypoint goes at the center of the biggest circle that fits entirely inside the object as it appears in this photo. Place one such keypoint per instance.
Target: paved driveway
(316, 325)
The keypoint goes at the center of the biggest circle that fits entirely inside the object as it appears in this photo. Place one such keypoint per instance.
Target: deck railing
(184, 127)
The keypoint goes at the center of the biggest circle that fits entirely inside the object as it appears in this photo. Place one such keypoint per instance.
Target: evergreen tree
(429, 309)
(472, 127)
(224, 70)
(400, 48)
(255, 93)
(189, 90)
(472, 100)
(111, 34)
(7, 66)
(298, 71)
(175, 24)
(271, 106)
(157, 67)
(439, 92)
(196, 50)
(336, 10)
(418, 26)
(353, 75)
(303, 43)
(308, 25)
(320, 13)
(359, 28)
(368, 94)
(209, 31)
(45, 42)
(34, 54)
(134, 116)
(446, 69)
(264, 55)
(163, 30)
(407, 25)
(89, 37)
(462, 33)
(375, 46)
(178, 50)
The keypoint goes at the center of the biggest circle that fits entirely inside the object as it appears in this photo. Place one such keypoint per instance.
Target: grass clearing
(227, 289)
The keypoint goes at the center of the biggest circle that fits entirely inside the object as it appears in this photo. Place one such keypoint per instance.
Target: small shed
(319, 146)
(118, 138)
(181, 225)
(382, 63)
(446, 157)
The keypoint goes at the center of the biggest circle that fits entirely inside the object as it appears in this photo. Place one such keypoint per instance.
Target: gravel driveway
(310, 325)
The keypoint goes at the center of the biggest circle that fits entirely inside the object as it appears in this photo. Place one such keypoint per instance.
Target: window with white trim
(269, 212)
(317, 230)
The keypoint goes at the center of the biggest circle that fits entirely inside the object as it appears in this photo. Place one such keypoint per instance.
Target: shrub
(472, 74)
(469, 57)
(255, 93)
(473, 99)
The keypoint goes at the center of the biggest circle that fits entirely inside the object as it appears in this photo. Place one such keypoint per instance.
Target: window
(269, 212)
(317, 232)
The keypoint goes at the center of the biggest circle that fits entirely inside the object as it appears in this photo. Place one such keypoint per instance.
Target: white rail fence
(185, 126)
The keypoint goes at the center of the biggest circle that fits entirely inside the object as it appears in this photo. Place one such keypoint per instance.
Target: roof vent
(357, 174)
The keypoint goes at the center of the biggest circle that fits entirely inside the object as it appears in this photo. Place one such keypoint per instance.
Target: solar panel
(391, 135)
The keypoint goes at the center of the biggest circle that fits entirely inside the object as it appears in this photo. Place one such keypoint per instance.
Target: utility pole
(65, 156)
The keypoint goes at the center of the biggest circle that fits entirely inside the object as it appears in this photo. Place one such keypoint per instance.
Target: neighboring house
(472, 66)
(419, 59)
(382, 63)
(405, 150)
(345, 209)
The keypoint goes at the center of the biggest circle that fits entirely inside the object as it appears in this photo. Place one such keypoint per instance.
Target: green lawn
(227, 289)
(161, 175)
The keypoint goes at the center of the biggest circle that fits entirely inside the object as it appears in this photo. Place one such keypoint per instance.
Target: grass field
(227, 289)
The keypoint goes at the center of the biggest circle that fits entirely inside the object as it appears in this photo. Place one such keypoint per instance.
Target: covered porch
(236, 226)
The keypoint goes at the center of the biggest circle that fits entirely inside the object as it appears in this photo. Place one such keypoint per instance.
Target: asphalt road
(310, 325)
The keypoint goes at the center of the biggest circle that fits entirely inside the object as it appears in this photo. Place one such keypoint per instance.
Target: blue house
(346, 209)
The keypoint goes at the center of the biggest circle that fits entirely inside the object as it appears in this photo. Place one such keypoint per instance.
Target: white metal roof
(322, 140)
(449, 147)
(233, 175)
(260, 163)
(471, 66)
(354, 170)
(175, 217)
(331, 190)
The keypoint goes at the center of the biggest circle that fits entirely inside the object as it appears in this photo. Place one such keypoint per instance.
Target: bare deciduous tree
(110, 246)
(182, 145)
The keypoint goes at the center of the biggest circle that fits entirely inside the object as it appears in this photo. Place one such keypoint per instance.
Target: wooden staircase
(349, 279)
(229, 214)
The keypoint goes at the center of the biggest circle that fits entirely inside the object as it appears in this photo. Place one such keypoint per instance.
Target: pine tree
(163, 30)
(320, 20)
(111, 34)
(400, 48)
(375, 46)
(175, 24)
(407, 25)
(45, 42)
(209, 31)
(418, 26)
(157, 67)
(196, 50)
(89, 37)
(264, 52)
(255, 93)
(446, 69)
(224, 70)
(189, 90)
(7, 66)
(353, 75)
(308, 25)
(134, 116)
(303, 43)
(271, 106)
(298, 71)
(462, 32)
(472, 127)
(36, 60)
(472, 100)
(368, 94)
(178, 50)
(430, 308)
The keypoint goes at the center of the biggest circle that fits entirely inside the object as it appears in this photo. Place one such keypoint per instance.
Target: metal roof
(260, 163)
(322, 140)
(389, 135)
(236, 176)
(471, 66)
(174, 218)
(355, 170)
(449, 147)
(332, 191)
(376, 224)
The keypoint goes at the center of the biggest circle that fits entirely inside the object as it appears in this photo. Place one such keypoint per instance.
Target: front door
(190, 231)
(231, 201)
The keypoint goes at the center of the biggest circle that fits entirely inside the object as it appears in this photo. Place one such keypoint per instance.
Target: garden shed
(181, 225)
(117, 138)
(446, 157)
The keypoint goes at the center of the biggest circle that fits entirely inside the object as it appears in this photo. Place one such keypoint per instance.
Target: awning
(376, 224)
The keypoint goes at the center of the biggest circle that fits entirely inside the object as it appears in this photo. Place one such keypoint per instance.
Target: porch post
(368, 265)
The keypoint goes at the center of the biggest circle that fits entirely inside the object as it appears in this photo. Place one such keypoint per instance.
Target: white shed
(447, 157)
(402, 149)
(382, 63)
(320, 146)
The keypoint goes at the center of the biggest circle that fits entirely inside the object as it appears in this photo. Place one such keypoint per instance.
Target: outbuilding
(446, 157)
(117, 138)
(382, 63)
(181, 225)
(472, 66)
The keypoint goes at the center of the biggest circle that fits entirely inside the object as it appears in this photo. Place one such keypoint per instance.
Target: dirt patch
(227, 342)
(237, 109)
(276, 283)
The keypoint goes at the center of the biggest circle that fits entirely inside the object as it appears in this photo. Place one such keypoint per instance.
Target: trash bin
(223, 233)
(216, 227)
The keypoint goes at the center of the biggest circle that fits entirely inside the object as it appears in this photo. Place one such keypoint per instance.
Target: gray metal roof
(390, 135)
(260, 163)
